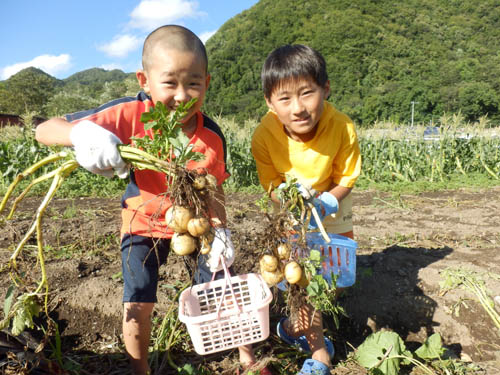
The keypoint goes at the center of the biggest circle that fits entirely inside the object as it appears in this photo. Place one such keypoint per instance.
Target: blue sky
(63, 37)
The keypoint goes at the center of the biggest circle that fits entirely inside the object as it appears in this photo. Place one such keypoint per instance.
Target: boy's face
(299, 105)
(176, 77)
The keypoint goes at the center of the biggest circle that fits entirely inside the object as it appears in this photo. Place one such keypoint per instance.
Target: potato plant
(167, 151)
(281, 259)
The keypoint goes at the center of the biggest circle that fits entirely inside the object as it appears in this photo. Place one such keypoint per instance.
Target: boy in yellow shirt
(305, 137)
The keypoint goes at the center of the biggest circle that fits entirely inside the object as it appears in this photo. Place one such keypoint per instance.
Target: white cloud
(121, 45)
(150, 14)
(50, 64)
(206, 35)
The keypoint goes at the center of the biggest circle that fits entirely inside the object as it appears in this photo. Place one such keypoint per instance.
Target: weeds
(384, 353)
(474, 283)
(166, 336)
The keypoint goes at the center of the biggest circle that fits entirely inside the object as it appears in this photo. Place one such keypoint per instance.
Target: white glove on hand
(221, 245)
(96, 151)
(307, 192)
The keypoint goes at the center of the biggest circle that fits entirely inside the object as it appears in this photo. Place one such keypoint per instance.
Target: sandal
(301, 341)
(313, 367)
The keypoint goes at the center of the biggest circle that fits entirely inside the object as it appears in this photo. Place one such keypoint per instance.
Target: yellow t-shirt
(333, 153)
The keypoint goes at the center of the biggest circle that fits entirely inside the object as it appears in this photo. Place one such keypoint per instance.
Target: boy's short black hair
(292, 62)
(174, 37)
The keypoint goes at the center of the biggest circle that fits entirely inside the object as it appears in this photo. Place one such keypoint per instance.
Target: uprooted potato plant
(287, 262)
(167, 150)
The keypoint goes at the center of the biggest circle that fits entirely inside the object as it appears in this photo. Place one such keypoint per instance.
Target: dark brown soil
(404, 244)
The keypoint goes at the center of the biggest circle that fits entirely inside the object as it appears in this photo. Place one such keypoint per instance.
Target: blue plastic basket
(339, 257)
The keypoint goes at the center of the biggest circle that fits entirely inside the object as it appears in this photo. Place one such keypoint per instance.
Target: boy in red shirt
(174, 71)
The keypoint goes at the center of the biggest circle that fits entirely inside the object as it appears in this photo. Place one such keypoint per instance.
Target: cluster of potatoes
(276, 268)
(190, 231)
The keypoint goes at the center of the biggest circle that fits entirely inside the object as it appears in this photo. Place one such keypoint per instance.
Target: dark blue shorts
(141, 260)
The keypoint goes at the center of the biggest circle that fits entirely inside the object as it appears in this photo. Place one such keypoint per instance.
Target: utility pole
(412, 111)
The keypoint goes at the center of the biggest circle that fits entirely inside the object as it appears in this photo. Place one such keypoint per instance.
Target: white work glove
(96, 151)
(307, 192)
(221, 245)
(325, 203)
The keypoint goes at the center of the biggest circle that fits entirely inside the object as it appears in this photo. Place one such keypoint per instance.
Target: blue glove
(325, 204)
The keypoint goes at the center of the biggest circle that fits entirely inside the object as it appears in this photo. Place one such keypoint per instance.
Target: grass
(453, 181)
(10, 133)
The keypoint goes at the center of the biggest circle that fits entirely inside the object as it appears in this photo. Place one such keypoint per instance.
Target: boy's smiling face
(175, 77)
(299, 105)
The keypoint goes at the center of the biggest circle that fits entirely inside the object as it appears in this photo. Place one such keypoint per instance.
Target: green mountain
(33, 90)
(381, 55)
(97, 75)
(29, 89)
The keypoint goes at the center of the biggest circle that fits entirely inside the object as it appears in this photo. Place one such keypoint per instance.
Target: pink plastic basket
(226, 313)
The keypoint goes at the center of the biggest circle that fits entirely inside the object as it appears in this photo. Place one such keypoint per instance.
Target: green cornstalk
(459, 166)
(488, 168)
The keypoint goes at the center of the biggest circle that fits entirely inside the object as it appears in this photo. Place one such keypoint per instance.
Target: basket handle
(227, 279)
(318, 221)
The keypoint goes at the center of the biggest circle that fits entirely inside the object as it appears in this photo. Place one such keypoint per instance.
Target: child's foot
(301, 341)
(250, 371)
(313, 367)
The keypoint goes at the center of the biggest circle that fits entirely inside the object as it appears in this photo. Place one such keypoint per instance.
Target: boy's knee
(137, 311)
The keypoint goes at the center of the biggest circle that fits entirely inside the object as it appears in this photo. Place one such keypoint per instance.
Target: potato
(294, 274)
(272, 278)
(198, 226)
(211, 181)
(268, 263)
(199, 182)
(177, 218)
(183, 243)
(205, 245)
(284, 251)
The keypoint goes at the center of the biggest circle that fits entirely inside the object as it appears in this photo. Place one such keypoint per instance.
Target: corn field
(386, 159)
(404, 154)
(387, 156)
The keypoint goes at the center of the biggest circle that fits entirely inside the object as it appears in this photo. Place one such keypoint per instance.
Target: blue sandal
(301, 341)
(313, 367)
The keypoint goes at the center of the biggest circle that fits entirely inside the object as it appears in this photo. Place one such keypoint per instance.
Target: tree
(27, 91)
(477, 99)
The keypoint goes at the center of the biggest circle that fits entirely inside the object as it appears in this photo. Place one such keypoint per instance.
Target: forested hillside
(381, 55)
(443, 55)
(32, 90)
